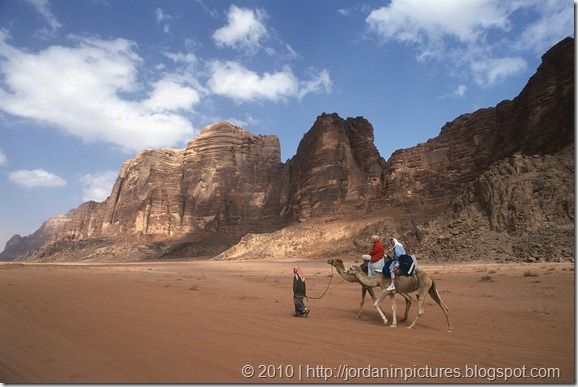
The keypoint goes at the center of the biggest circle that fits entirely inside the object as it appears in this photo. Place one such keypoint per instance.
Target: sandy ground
(206, 321)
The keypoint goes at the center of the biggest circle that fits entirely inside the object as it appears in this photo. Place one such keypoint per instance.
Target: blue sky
(87, 84)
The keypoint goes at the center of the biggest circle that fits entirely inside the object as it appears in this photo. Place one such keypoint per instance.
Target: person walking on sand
(299, 292)
(375, 257)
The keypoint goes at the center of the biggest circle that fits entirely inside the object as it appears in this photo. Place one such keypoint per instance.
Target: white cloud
(43, 7)
(460, 91)
(2, 158)
(35, 178)
(244, 31)
(235, 81)
(82, 91)
(188, 58)
(490, 71)
(98, 187)
(169, 96)
(555, 21)
(321, 81)
(163, 19)
(465, 33)
(427, 23)
(232, 80)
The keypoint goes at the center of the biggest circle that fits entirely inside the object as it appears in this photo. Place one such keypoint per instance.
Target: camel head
(335, 262)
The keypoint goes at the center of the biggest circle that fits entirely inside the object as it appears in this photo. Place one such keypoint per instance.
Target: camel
(421, 283)
(338, 264)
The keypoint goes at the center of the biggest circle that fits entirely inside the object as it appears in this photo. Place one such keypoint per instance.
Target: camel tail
(433, 292)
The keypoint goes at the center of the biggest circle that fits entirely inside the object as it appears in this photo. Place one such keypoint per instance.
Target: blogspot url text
(349, 373)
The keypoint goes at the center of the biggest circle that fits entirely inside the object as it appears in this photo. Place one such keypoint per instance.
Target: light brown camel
(338, 264)
(421, 283)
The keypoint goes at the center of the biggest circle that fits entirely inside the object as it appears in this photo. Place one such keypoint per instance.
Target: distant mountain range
(498, 181)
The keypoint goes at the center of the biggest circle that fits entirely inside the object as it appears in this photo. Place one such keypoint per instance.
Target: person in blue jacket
(398, 251)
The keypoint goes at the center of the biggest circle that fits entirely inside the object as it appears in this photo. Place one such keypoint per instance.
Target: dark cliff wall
(336, 166)
(539, 121)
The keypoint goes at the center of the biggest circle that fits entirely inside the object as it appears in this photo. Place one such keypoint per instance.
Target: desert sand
(232, 322)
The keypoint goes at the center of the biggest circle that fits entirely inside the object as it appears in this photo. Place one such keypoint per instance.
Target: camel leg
(376, 304)
(363, 291)
(372, 294)
(408, 299)
(393, 310)
(420, 302)
(433, 292)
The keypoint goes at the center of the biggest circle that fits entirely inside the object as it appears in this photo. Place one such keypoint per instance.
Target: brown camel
(421, 283)
(338, 264)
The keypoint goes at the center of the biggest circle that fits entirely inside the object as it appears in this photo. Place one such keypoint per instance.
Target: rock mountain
(498, 182)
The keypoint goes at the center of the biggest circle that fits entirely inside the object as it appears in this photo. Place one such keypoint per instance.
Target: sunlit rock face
(223, 180)
(229, 179)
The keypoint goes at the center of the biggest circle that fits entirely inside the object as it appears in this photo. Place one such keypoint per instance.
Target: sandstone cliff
(337, 167)
(491, 181)
(539, 121)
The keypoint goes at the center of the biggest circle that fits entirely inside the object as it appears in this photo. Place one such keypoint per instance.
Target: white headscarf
(396, 242)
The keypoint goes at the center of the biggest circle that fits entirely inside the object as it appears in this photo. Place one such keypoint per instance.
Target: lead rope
(326, 289)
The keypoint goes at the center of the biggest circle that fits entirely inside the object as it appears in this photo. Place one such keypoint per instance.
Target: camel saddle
(407, 265)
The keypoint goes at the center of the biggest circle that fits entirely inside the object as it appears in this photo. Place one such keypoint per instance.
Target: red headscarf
(299, 273)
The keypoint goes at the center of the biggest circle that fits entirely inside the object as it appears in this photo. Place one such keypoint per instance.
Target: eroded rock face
(224, 180)
(229, 180)
(521, 207)
(539, 121)
(336, 166)
(528, 193)
(21, 246)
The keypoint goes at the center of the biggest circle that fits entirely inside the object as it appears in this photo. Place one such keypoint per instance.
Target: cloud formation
(427, 23)
(469, 34)
(490, 71)
(43, 7)
(81, 90)
(98, 186)
(233, 80)
(35, 178)
(244, 31)
(98, 90)
(164, 20)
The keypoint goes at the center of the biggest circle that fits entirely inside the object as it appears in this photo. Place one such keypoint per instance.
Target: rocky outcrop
(336, 167)
(222, 181)
(225, 184)
(492, 182)
(20, 246)
(539, 121)
(521, 207)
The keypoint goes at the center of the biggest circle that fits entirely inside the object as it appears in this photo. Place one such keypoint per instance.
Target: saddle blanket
(407, 265)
